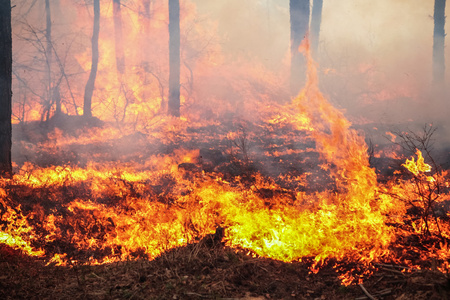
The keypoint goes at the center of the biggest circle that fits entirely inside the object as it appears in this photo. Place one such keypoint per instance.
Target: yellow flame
(418, 166)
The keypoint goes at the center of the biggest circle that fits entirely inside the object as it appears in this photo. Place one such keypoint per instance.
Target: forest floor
(197, 271)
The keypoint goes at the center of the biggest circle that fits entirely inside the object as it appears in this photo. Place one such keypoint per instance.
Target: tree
(48, 52)
(147, 4)
(316, 20)
(145, 14)
(299, 17)
(120, 56)
(439, 42)
(5, 87)
(53, 93)
(174, 58)
(89, 89)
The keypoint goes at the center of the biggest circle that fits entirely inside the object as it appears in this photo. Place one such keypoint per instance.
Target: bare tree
(89, 89)
(48, 51)
(44, 56)
(120, 56)
(120, 61)
(439, 42)
(316, 20)
(148, 6)
(145, 13)
(5, 87)
(53, 92)
(174, 58)
(299, 18)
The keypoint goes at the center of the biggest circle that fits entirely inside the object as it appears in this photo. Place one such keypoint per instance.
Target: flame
(156, 191)
(419, 166)
(17, 233)
(321, 225)
(113, 211)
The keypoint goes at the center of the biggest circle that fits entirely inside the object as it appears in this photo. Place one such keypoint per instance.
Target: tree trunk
(89, 89)
(316, 20)
(174, 58)
(120, 56)
(147, 6)
(57, 100)
(5, 87)
(439, 42)
(49, 60)
(299, 17)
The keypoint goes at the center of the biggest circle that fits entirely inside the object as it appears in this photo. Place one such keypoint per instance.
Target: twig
(396, 281)
(376, 282)
(196, 294)
(393, 271)
(99, 277)
(366, 292)
(394, 266)
(378, 294)
(264, 269)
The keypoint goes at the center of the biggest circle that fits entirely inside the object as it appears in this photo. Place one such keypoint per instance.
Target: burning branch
(427, 189)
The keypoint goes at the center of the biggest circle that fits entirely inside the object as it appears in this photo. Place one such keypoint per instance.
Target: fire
(417, 167)
(16, 231)
(322, 225)
(171, 182)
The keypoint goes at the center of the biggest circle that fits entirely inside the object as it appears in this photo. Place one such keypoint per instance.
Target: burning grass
(293, 190)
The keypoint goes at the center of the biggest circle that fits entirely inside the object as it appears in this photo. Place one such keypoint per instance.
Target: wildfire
(130, 205)
(417, 167)
(17, 233)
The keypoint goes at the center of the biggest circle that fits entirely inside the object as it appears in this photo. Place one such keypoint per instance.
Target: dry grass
(201, 272)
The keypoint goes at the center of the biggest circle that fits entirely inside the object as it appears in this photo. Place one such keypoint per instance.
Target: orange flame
(122, 208)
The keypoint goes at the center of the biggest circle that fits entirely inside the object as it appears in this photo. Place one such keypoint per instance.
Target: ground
(201, 271)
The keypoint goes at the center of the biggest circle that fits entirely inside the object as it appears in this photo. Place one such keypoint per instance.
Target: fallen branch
(196, 294)
(366, 292)
(393, 266)
(379, 279)
(393, 271)
(375, 296)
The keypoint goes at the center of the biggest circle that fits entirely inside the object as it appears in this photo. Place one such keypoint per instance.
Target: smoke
(378, 57)
(374, 57)
(257, 29)
(370, 51)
